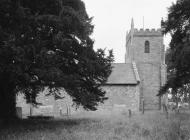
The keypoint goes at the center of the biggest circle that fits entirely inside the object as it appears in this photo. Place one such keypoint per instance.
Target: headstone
(130, 113)
(19, 112)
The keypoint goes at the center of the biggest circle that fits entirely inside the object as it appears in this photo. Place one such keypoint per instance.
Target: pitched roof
(123, 73)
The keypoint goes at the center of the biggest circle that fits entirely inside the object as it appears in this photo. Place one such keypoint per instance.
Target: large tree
(178, 56)
(47, 43)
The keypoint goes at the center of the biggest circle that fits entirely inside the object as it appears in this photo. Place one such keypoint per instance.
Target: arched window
(147, 46)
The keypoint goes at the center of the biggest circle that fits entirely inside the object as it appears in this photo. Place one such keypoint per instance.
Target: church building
(143, 73)
(130, 84)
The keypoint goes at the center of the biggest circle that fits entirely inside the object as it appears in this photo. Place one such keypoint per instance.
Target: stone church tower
(145, 49)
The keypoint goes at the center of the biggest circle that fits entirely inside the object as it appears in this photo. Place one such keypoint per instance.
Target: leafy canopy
(47, 43)
(178, 56)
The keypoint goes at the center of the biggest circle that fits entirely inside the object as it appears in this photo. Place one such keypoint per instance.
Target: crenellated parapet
(148, 32)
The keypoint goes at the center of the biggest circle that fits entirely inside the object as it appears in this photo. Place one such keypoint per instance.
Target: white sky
(112, 18)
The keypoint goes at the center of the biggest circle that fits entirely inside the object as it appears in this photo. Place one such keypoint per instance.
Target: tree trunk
(7, 103)
(189, 101)
(176, 100)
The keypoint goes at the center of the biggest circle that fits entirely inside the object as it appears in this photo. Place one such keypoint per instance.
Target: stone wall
(150, 84)
(50, 106)
(119, 97)
(125, 96)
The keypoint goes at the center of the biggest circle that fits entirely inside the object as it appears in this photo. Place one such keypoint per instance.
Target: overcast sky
(112, 19)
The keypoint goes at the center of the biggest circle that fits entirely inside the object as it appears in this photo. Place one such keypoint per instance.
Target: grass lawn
(153, 125)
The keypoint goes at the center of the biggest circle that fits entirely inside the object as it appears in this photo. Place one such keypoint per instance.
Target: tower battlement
(148, 32)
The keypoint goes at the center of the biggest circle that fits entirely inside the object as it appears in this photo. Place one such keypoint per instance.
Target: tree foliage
(178, 25)
(47, 43)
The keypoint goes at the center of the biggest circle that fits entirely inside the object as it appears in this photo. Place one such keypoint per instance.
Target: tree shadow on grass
(43, 124)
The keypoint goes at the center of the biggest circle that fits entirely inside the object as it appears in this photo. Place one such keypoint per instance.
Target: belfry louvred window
(147, 46)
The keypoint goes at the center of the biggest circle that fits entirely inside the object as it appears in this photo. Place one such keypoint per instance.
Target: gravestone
(19, 112)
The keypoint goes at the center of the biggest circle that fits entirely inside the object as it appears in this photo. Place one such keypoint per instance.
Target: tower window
(147, 47)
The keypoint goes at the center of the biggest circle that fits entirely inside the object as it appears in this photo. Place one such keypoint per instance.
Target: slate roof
(123, 73)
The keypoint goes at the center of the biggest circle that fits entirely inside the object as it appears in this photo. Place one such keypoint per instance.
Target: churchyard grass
(117, 125)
